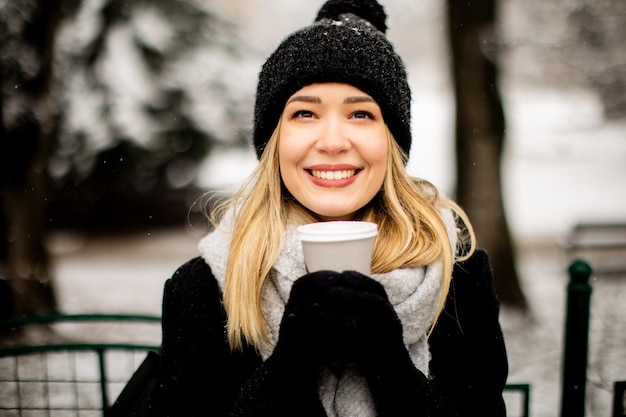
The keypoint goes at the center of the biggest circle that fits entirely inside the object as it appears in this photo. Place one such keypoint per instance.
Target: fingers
(317, 283)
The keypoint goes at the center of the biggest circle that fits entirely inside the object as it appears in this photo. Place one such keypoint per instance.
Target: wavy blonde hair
(411, 233)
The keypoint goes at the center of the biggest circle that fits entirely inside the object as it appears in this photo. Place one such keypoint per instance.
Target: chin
(334, 215)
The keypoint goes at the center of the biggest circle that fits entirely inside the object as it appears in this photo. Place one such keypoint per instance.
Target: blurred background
(118, 117)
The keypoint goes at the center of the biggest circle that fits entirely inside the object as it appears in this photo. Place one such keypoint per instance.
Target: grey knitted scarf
(414, 293)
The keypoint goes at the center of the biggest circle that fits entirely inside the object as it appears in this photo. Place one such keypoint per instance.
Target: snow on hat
(346, 44)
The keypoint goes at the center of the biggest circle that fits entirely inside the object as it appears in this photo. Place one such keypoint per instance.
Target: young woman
(247, 332)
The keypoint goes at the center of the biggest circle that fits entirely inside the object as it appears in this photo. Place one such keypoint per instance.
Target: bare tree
(480, 131)
(597, 49)
(104, 103)
(29, 29)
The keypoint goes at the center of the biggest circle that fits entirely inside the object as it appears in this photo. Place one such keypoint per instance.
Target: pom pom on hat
(368, 10)
(346, 44)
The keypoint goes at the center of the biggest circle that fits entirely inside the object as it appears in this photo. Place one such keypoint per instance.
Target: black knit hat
(346, 44)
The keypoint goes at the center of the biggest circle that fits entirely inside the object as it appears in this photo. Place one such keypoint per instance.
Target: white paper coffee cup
(338, 245)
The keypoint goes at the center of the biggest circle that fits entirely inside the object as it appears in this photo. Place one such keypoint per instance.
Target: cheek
(376, 153)
(288, 159)
(290, 145)
(286, 155)
(377, 157)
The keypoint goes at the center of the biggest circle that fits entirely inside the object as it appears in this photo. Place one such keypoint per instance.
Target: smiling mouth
(333, 175)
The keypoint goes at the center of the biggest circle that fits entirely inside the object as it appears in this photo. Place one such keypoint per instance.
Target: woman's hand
(335, 318)
(342, 317)
(315, 325)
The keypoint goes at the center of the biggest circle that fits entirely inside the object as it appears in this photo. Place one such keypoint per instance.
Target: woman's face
(332, 149)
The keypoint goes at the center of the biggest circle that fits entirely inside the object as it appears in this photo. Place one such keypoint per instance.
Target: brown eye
(302, 114)
(363, 115)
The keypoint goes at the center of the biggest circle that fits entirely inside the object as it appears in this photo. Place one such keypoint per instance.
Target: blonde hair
(407, 210)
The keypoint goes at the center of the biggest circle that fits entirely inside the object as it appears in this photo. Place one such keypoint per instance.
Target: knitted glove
(398, 388)
(317, 322)
(347, 318)
(335, 317)
(374, 330)
(287, 383)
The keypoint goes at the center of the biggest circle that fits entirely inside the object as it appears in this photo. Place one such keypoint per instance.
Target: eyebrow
(359, 99)
(317, 100)
(306, 99)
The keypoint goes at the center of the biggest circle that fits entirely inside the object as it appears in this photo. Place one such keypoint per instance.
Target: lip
(333, 167)
(332, 183)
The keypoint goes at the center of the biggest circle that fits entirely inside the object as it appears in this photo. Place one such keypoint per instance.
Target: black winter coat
(200, 376)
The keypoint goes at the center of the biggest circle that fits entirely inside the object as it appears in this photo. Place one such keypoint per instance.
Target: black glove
(334, 318)
(320, 319)
(313, 332)
(288, 382)
(349, 319)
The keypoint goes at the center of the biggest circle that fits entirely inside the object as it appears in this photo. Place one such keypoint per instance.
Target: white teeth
(333, 175)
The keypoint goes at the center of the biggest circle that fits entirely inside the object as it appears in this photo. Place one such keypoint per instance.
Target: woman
(247, 332)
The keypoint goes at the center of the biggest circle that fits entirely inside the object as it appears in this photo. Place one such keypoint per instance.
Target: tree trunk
(24, 133)
(480, 128)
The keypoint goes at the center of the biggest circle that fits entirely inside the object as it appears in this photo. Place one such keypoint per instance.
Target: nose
(333, 137)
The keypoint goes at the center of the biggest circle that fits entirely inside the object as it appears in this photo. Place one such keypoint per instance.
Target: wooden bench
(602, 245)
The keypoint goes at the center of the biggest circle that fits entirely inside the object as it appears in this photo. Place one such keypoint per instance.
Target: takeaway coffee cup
(338, 245)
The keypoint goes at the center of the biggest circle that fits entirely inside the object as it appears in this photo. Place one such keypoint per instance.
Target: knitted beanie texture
(346, 44)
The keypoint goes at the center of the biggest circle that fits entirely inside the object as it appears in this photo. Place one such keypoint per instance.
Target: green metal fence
(619, 399)
(69, 379)
(523, 392)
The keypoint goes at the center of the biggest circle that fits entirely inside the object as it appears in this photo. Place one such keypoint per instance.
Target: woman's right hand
(333, 318)
(305, 330)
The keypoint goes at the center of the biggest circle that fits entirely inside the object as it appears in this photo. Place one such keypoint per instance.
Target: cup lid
(336, 231)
